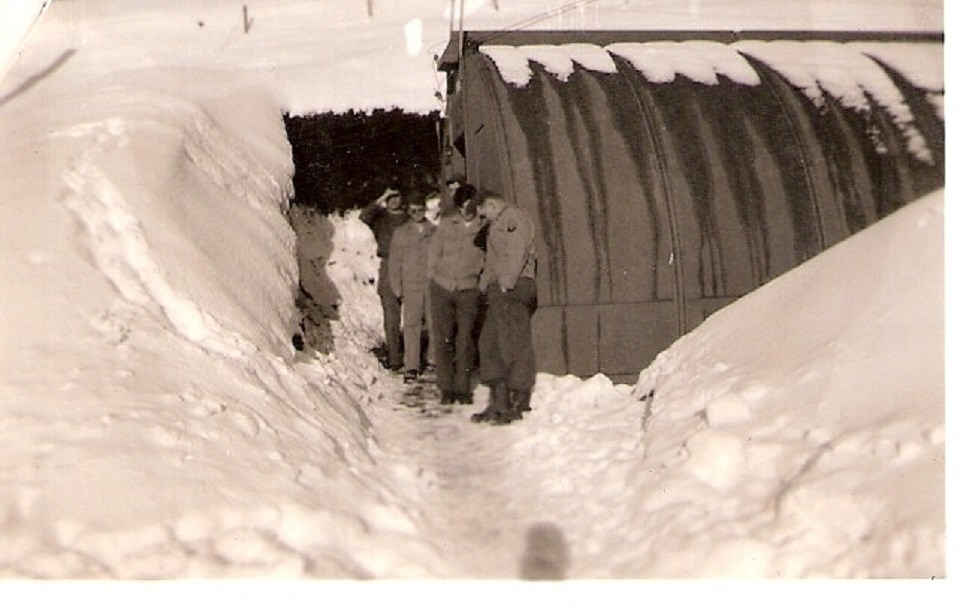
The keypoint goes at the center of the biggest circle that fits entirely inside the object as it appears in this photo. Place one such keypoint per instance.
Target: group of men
(475, 268)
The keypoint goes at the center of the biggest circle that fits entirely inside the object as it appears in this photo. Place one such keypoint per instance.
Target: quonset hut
(672, 172)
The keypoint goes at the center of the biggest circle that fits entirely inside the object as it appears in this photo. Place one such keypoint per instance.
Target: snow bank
(156, 422)
(16, 21)
(818, 400)
(159, 422)
(762, 445)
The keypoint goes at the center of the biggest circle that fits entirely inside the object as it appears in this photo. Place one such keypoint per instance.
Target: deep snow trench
(497, 502)
(725, 472)
(156, 422)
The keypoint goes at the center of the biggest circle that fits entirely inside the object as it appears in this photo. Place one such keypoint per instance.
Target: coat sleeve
(370, 213)
(435, 252)
(517, 233)
(480, 240)
(486, 274)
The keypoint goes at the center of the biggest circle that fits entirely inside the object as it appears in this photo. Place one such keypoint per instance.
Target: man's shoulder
(411, 230)
(398, 219)
(402, 230)
(512, 218)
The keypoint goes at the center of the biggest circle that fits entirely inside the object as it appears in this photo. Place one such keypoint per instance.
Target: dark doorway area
(346, 160)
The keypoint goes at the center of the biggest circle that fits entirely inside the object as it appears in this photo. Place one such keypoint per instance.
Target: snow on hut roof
(591, 56)
(845, 73)
(699, 60)
(843, 70)
(660, 61)
(920, 63)
(513, 62)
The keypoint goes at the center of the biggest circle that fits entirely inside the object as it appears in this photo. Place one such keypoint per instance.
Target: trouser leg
(413, 312)
(428, 327)
(467, 305)
(506, 352)
(391, 317)
(491, 363)
(514, 335)
(442, 306)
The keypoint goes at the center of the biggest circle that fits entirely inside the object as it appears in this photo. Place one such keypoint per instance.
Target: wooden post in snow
(247, 22)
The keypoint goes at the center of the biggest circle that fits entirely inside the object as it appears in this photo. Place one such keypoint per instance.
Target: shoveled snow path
(468, 476)
(744, 472)
(493, 501)
(464, 473)
(503, 501)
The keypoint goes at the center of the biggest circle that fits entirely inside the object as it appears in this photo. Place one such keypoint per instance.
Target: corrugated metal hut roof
(673, 172)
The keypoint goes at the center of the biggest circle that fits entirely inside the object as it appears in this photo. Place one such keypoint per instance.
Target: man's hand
(387, 194)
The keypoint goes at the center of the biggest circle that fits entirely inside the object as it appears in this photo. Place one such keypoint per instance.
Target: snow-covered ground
(155, 421)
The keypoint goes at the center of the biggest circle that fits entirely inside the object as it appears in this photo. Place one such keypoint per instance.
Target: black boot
(499, 403)
(465, 398)
(506, 417)
(447, 398)
(520, 400)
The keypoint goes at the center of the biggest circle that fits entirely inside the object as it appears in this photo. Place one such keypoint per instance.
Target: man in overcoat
(509, 281)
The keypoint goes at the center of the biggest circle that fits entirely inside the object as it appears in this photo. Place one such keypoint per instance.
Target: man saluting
(384, 216)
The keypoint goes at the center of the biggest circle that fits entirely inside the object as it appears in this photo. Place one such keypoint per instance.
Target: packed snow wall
(669, 178)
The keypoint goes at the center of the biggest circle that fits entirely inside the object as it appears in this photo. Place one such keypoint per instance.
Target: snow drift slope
(797, 433)
(153, 422)
(818, 401)
(16, 21)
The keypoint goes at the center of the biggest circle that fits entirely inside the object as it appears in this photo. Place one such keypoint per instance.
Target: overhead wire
(526, 22)
(534, 19)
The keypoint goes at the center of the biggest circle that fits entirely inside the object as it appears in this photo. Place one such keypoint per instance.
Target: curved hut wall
(658, 203)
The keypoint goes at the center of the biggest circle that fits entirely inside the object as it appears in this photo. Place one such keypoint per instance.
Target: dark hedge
(345, 160)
